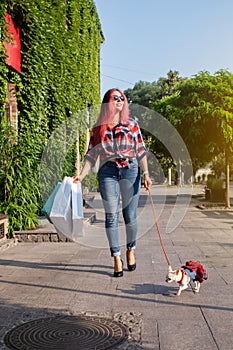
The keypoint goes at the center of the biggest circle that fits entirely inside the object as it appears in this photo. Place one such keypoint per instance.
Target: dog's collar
(182, 277)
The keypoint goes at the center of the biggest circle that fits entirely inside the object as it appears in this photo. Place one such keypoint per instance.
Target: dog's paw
(197, 287)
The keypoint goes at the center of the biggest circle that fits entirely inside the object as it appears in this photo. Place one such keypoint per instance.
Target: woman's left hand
(76, 179)
(147, 181)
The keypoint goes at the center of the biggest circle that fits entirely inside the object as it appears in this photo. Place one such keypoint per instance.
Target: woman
(117, 140)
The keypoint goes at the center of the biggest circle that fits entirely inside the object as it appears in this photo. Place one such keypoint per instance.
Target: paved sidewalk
(39, 279)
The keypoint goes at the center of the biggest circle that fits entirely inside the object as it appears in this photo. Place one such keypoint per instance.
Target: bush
(18, 182)
(60, 77)
(214, 183)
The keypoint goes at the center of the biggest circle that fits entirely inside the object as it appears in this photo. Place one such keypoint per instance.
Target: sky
(145, 39)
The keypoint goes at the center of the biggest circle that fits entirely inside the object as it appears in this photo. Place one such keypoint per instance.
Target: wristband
(145, 172)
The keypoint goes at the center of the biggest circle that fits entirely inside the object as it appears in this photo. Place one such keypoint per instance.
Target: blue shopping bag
(46, 210)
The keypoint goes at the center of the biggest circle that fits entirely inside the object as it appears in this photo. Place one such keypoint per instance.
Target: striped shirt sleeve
(141, 150)
(92, 152)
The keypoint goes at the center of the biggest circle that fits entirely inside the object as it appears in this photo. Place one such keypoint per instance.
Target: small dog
(191, 272)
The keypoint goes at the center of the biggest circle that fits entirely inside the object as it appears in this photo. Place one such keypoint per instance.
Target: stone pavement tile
(226, 277)
(221, 322)
(218, 303)
(58, 298)
(179, 231)
(182, 324)
(186, 252)
(216, 246)
(220, 259)
(185, 334)
(95, 301)
(17, 290)
(222, 236)
(150, 334)
(95, 289)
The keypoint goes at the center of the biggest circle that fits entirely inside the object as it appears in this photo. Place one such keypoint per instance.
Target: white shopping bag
(67, 210)
(77, 210)
(61, 213)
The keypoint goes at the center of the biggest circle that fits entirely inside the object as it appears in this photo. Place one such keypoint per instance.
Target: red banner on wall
(13, 48)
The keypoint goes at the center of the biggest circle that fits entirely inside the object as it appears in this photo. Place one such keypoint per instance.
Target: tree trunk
(77, 163)
(227, 180)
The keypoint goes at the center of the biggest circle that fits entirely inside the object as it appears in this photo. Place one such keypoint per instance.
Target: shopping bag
(77, 210)
(67, 210)
(61, 212)
(46, 210)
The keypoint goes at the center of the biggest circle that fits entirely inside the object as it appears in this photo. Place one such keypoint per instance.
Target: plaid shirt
(123, 141)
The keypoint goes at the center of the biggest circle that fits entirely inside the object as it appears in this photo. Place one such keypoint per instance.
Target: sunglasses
(118, 98)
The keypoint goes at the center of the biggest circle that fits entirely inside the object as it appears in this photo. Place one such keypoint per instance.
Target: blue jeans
(113, 183)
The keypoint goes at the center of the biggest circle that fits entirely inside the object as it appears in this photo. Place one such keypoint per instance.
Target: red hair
(107, 113)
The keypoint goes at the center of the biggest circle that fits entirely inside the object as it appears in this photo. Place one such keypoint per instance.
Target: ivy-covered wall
(60, 50)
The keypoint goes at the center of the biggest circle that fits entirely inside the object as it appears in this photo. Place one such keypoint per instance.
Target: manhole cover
(67, 333)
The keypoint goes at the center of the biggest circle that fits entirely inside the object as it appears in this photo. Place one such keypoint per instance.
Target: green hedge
(60, 77)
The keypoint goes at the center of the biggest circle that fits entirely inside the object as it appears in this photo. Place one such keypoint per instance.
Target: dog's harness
(187, 272)
(182, 276)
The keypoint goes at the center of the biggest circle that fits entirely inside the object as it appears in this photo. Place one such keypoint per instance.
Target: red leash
(158, 230)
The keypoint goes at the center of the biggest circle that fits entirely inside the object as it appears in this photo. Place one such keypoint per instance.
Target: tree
(145, 94)
(168, 86)
(203, 111)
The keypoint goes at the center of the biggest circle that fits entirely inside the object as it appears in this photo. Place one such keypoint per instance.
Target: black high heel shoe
(131, 267)
(119, 273)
